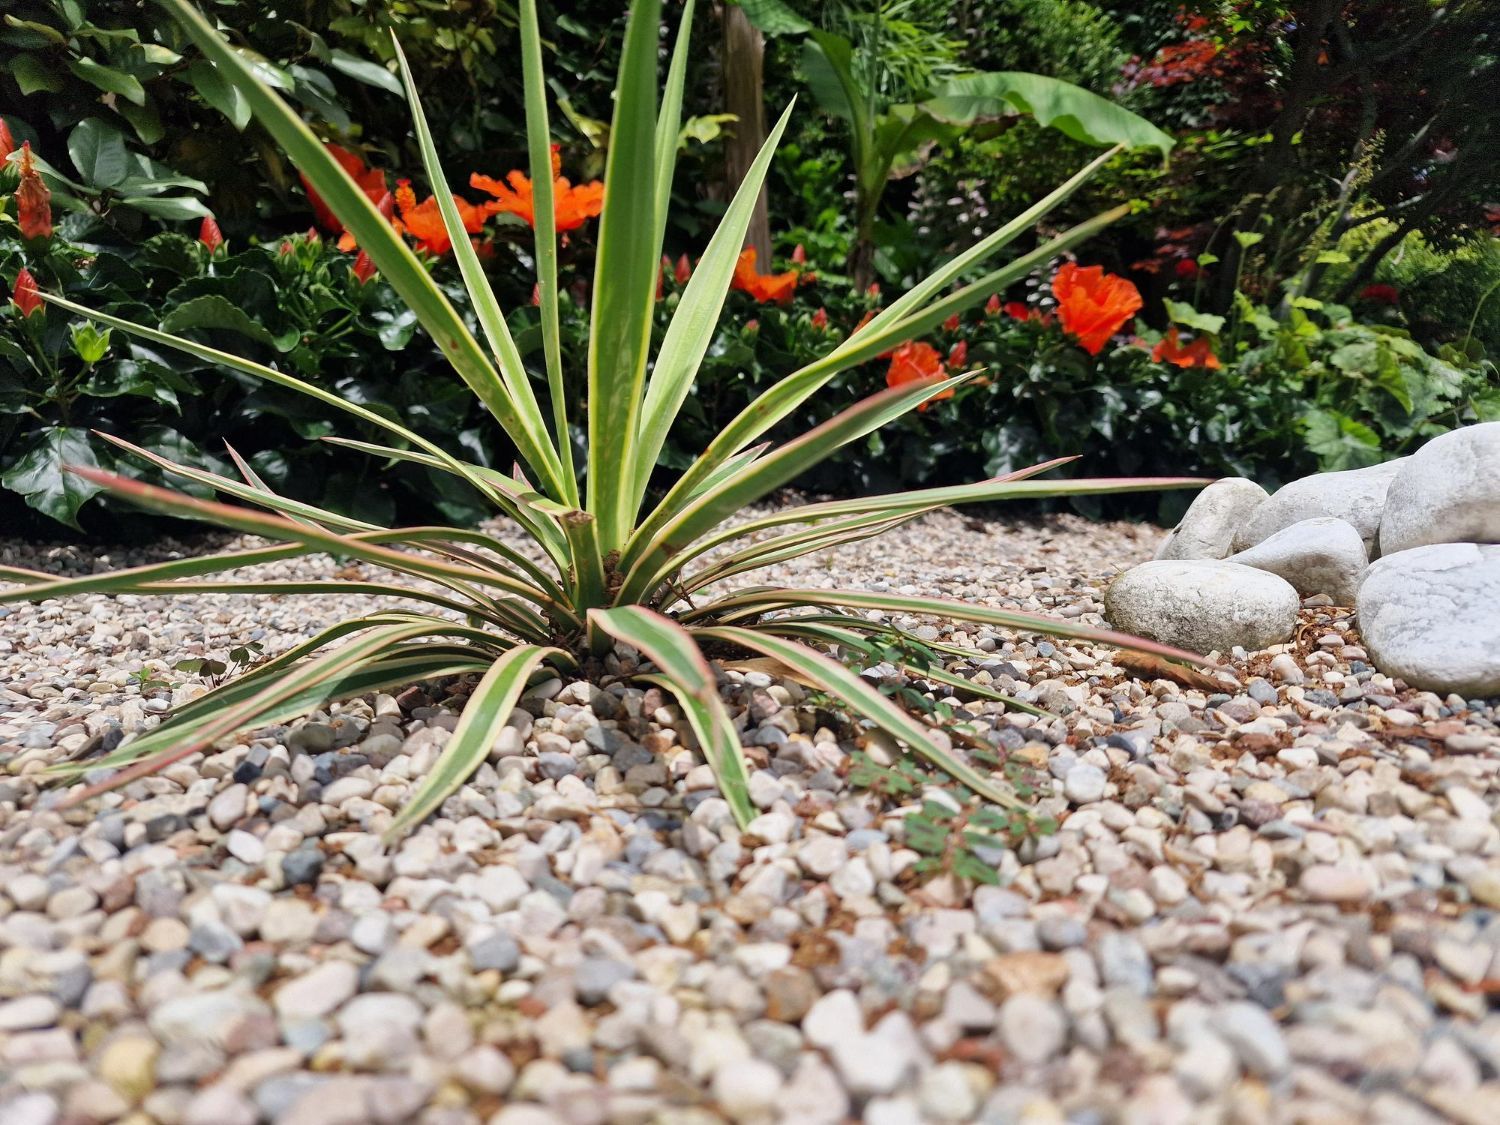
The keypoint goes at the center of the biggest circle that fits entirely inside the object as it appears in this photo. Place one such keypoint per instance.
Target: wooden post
(744, 96)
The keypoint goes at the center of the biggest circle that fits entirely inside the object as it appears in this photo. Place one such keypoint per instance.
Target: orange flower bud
(26, 298)
(210, 235)
(33, 200)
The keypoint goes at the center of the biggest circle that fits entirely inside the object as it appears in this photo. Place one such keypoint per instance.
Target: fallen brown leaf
(1145, 666)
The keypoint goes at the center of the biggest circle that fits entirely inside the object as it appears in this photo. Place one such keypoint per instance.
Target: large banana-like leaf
(687, 675)
(1070, 109)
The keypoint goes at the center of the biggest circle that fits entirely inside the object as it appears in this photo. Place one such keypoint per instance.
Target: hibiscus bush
(297, 302)
(1067, 362)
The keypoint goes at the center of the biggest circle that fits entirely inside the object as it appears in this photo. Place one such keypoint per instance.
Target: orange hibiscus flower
(767, 288)
(371, 181)
(571, 206)
(386, 206)
(424, 222)
(915, 360)
(1093, 305)
(1200, 353)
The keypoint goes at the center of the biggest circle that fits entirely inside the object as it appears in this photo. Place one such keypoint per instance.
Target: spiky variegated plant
(617, 568)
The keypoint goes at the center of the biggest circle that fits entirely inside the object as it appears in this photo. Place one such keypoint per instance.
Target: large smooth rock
(1208, 526)
(1356, 496)
(1321, 556)
(1446, 492)
(1203, 605)
(1431, 615)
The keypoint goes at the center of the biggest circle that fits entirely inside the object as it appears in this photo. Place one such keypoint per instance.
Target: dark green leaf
(31, 76)
(363, 70)
(39, 477)
(110, 80)
(98, 152)
(214, 311)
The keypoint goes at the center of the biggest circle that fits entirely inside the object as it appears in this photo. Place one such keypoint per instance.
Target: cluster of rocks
(1273, 899)
(1413, 544)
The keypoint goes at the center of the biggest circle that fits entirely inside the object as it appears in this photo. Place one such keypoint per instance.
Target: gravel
(1270, 898)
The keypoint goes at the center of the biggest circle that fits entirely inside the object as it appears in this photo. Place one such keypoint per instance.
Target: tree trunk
(744, 96)
(1277, 164)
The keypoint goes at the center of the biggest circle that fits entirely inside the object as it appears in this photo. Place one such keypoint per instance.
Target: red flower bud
(683, 270)
(951, 324)
(7, 142)
(873, 290)
(820, 319)
(210, 235)
(799, 255)
(33, 200)
(992, 306)
(26, 298)
(364, 269)
(752, 325)
(959, 355)
(536, 289)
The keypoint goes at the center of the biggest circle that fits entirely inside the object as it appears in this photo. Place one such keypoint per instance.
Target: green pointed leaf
(687, 675)
(110, 80)
(697, 317)
(98, 152)
(376, 236)
(866, 702)
(484, 717)
(624, 282)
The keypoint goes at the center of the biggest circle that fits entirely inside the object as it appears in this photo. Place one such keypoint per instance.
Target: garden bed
(1282, 890)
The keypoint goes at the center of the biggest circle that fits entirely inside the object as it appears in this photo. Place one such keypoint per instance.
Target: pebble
(1327, 883)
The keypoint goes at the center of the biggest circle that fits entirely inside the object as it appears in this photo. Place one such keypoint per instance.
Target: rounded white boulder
(1356, 496)
(1203, 605)
(1446, 492)
(1431, 616)
(1207, 528)
(1319, 556)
